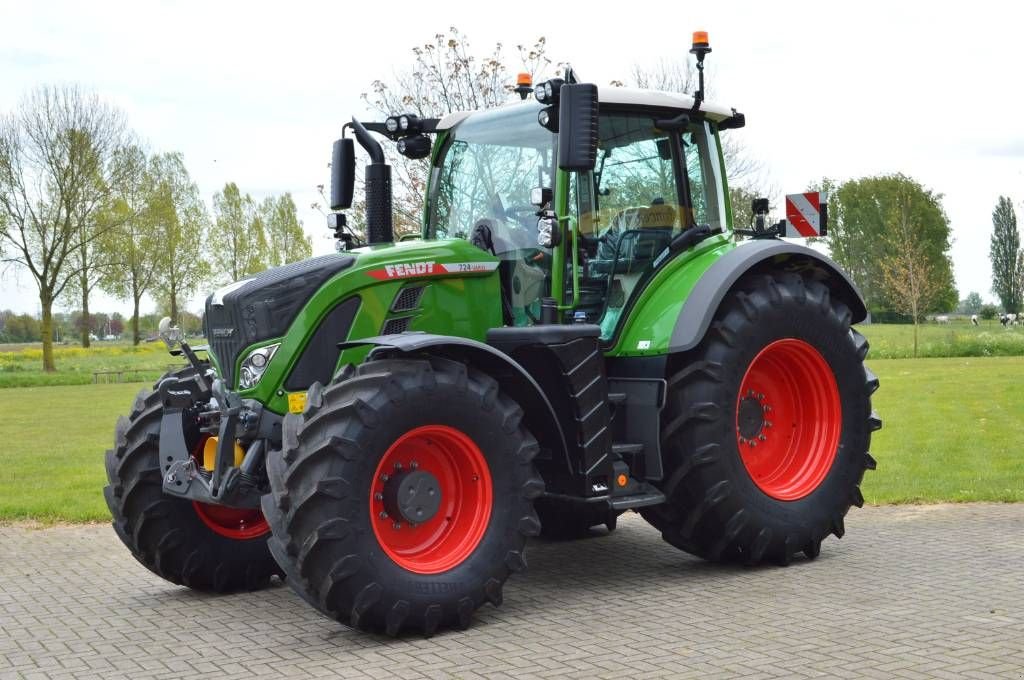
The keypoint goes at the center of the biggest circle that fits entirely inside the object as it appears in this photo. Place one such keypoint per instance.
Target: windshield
(485, 174)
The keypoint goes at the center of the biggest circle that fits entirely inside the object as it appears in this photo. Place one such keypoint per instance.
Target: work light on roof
(547, 92)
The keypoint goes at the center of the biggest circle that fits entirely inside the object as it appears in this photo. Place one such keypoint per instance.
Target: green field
(952, 432)
(956, 339)
(21, 366)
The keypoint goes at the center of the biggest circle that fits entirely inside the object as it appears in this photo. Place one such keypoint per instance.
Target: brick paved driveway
(909, 592)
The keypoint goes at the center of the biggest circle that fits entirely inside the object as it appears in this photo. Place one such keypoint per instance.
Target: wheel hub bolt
(761, 437)
(414, 465)
(378, 496)
(398, 466)
(384, 477)
(396, 525)
(383, 515)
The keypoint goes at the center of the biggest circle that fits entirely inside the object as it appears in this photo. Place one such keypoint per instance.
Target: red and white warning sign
(806, 215)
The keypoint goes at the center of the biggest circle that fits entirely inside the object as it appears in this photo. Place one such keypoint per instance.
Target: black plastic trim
(320, 356)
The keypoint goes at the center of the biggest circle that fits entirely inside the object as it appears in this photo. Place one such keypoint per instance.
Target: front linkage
(202, 404)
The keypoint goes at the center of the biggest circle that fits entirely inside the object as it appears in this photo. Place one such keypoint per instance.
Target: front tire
(767, 426)
(431, 430)
(204, 547)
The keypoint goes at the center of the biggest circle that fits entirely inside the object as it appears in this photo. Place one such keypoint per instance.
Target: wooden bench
(125, 374)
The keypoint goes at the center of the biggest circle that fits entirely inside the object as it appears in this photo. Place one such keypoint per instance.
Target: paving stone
(917, 591)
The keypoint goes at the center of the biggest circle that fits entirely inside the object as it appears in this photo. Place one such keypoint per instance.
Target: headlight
(548, 234)
(254, 364)
(391, 124)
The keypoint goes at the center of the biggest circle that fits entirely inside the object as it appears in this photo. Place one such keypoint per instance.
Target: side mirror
(343, 174)
(577, 127)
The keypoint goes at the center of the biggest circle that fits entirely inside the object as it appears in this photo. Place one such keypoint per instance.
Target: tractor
(579, 330)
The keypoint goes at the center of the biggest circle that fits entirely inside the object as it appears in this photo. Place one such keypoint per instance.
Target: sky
(255, 92)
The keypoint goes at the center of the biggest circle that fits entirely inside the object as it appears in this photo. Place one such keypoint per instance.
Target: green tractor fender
(750, 258)
(514, 380)
(675, 310)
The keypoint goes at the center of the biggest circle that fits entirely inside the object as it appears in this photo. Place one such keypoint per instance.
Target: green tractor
(578, 332)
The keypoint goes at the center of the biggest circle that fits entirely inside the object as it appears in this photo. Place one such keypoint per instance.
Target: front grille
(407, 299)
(399, 325)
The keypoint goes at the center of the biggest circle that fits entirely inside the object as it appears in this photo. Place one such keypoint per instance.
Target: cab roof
(626, 96)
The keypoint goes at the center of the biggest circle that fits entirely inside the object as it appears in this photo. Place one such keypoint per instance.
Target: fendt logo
(409, 269)
(402, 270)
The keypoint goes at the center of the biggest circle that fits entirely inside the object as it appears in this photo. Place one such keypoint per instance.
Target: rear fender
(750, 258)
(538, 413)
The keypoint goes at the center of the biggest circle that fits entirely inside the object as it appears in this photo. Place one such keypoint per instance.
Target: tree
(910, 277)
(745, 173)
(180, 223)
(862, 234)
(1007, 257)
(446, 76)
(92, 259)
(18, 327)
(134, 244)
(988, 312)
(286, 240)
(238, 238)
(971, 304)
(56, 171)
(116, 324)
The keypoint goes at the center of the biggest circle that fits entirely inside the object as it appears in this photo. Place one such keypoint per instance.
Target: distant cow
(1008, 320)
(942, 319)
(974, 319)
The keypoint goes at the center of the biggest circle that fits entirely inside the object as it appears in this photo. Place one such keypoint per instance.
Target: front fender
(538, 413)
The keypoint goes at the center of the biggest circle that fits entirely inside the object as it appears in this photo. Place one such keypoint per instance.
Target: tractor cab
(657, 173)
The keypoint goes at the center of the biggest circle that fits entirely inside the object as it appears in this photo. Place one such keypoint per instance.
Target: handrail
(575, 263)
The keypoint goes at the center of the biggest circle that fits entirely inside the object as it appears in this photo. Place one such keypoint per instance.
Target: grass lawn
(952, 433)
(53, 439)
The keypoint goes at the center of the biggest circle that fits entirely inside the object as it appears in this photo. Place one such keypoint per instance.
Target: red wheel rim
(463, 478)
(788, 419)
(235, 523)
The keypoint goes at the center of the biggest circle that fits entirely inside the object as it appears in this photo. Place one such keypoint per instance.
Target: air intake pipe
(379, 224)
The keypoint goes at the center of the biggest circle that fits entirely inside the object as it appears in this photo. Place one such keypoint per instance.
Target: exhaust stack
(379, 221)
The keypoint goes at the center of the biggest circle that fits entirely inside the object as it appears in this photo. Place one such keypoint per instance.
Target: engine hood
(263, 306)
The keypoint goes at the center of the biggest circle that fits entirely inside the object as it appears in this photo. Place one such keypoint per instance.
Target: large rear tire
(767, 426)
(429, 429)
(207, 548)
